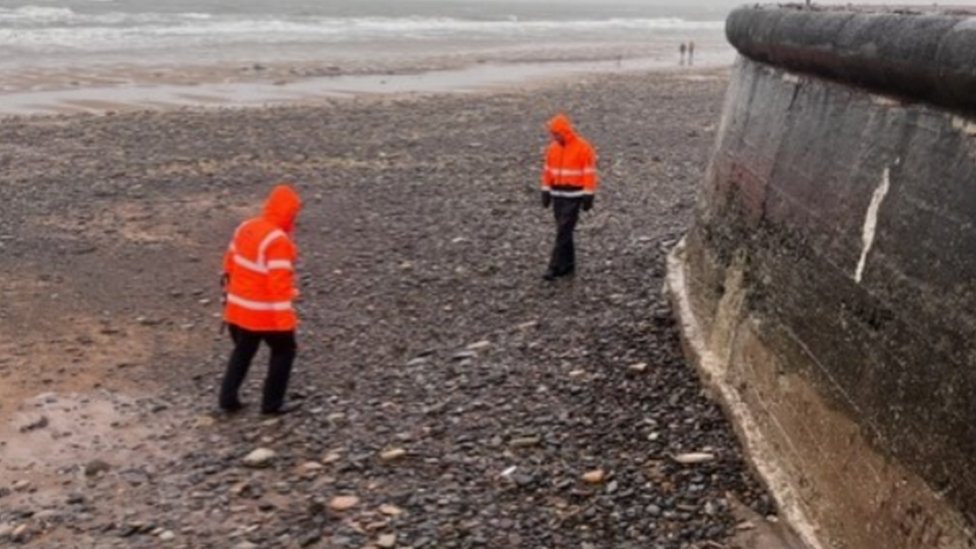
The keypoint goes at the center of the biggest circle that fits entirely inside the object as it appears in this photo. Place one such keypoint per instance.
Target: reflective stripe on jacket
(260, 264)
(570, 168)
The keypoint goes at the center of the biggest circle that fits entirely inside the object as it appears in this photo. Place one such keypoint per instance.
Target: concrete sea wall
(827, 288)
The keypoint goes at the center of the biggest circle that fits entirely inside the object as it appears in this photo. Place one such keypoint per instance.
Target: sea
(47, 45)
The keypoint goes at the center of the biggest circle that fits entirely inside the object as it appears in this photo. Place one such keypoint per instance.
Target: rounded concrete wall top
(925, 55)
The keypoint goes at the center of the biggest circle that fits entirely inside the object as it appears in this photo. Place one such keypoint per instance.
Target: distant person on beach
(691, 52)
(681, 50)
(569, 182)
(259, 288)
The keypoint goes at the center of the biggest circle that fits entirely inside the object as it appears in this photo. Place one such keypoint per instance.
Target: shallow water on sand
(134, 87)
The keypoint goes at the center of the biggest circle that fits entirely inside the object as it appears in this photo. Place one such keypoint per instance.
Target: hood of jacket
(282, 207)
(561, 125)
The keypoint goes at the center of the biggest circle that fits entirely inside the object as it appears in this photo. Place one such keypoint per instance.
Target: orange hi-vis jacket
(570, 168)
(260, 266)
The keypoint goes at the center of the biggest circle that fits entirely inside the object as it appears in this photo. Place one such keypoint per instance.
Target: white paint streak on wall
(885, 101)
(871, 223)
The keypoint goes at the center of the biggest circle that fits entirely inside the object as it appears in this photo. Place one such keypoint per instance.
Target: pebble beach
(451, 398)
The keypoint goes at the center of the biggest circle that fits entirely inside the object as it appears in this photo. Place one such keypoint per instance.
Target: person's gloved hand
(588, 202)
(546, 199)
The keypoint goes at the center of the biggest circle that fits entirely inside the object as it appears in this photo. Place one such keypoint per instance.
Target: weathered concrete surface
(920, 55)
(825, 288)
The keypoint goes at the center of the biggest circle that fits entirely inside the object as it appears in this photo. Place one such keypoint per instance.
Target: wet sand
(131, 87)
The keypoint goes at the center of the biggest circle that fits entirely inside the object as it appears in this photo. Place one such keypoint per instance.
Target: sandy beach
(425, 327)
(96, 88)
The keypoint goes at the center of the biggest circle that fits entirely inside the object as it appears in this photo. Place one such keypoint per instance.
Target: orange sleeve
(229, 260)
(546, 175)
(281, 255)
(229, 253)
(590, 178)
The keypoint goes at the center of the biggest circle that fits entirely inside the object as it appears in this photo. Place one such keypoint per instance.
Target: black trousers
(246, 342)
(566, 211)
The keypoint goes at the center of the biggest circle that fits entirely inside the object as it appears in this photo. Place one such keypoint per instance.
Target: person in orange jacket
(569, 182)
(259, 290)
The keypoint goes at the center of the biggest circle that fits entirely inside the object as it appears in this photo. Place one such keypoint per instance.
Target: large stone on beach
(594, 477)
(260, 458)
(343, 503)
